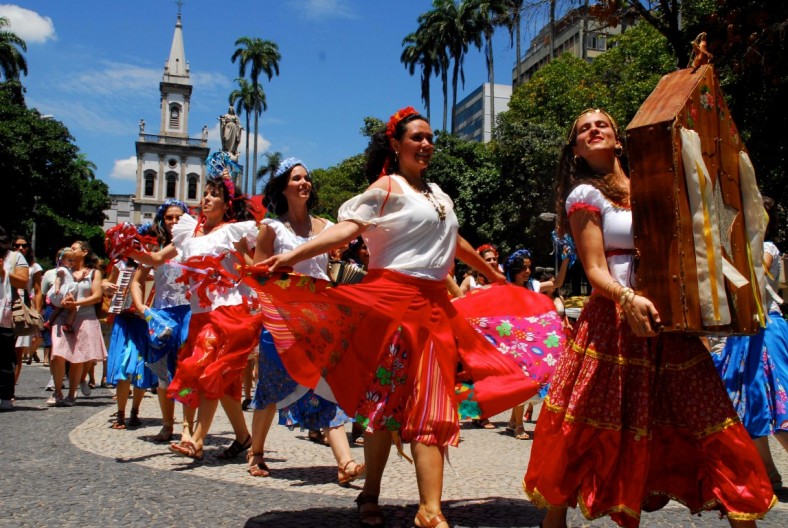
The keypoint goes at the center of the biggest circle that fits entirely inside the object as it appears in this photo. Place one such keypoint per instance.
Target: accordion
(697, 214)
(121, 301)
(343, 272)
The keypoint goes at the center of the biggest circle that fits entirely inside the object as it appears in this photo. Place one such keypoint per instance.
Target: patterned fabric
(754, 370)
(273, 382)
(165, 370)
(630, 423)
(389, 349)
(129, 349)
(212, 360)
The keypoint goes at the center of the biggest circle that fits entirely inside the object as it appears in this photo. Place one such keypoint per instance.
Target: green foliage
(630, 69)
(336, 185)
(51, 182)
(559, 91)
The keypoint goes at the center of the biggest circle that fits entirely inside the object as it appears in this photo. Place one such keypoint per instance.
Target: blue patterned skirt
(755, 372)
(128, 352)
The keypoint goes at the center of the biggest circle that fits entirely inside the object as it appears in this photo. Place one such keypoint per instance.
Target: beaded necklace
(439, 207)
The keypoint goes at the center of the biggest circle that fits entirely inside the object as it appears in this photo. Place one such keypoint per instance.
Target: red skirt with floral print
(212, 360)
(389, 349)
(630, 423)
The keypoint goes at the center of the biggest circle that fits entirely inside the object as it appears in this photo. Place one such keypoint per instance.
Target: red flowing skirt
(212, 360)
(389, 349)
(630, 423)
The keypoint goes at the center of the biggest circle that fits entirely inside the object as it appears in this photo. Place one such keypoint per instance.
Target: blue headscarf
(520, 254)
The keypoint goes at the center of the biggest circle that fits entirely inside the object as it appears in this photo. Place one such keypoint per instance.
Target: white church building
(170, 164)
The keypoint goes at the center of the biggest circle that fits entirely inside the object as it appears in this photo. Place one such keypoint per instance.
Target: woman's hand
(496, 276)
(642, 316)
(69, 303)
(282, 260)
(108, 288)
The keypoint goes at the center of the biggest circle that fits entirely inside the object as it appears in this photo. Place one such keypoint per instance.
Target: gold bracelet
(623, 297)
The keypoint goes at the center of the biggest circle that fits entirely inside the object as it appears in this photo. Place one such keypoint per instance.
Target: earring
(618, 151)
(396, 156)
(576, 160)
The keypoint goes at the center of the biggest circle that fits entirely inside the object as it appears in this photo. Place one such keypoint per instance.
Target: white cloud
(28, 25)
(125, 169)
(322, 9)
(210, 80)
(112, 79)
(97, 119)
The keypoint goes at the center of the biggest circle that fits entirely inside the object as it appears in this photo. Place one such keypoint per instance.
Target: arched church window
(150, 179)
(172, 179)
(175, 116)
(191, 193)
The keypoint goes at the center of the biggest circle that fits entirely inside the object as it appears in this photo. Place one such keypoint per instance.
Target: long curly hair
(273, 195)
(573, 170)
(379, 153)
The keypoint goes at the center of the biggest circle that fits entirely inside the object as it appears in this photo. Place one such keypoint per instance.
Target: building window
(191, 193)
(172, 178)
(150, 179)
(597, 41)
(175, 116)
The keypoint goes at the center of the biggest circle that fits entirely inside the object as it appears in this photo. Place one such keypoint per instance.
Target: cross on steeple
(180, 6)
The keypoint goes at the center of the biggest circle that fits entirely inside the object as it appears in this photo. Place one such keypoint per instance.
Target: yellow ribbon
(707, 237)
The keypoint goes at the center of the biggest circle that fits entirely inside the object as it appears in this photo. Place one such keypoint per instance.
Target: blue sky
(96, 65)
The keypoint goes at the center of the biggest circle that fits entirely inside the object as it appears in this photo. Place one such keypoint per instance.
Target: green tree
(632, 67)
(336, 185)
(52, 184)
(419, 51)
(267, 171)
(260, 56)
(487, 14)
(558, 92)
(12, 62)
(245, 100)
(448, 25)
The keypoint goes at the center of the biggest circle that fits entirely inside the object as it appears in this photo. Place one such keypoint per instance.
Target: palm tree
(420, 51)
(448, 25)
(83, 167)
(486, 15)
(512, 21)
(12, 62)
(244, 99)
(273, 159)
(261, 56)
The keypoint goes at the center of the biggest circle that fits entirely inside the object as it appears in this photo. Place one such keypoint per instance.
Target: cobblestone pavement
(65, 467)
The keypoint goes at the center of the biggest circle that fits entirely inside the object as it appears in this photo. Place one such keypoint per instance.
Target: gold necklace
(439, 207)
(427, 193)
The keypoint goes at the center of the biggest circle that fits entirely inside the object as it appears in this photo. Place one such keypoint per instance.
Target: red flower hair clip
(401, 114)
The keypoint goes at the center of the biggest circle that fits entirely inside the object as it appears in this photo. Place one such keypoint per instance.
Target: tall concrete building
(575, 33)
(170, 164)
(473, 116)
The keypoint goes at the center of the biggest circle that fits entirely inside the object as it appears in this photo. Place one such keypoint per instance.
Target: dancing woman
(633, 418)
(388, 347)
(755, 368)
(170, 297)
(222, 329)
(291, 196)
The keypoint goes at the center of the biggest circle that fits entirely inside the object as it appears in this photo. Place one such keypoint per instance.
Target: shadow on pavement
(492, 512)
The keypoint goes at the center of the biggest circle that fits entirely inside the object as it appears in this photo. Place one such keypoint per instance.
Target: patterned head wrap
(520, 254)
(169, 202)
(288, 164)
(216, 164)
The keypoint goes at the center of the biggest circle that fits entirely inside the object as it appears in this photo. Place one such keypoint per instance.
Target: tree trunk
(454, 78)
(246, 168)
(519, 37)
(445, 79)
(552, 29)
(491, 76)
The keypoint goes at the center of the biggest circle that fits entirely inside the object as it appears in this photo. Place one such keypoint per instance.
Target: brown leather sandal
(120, 421)
(235, 449)
(134, 418)
(257, 467)
(432, 523)
(187, 449)
(345, 477)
